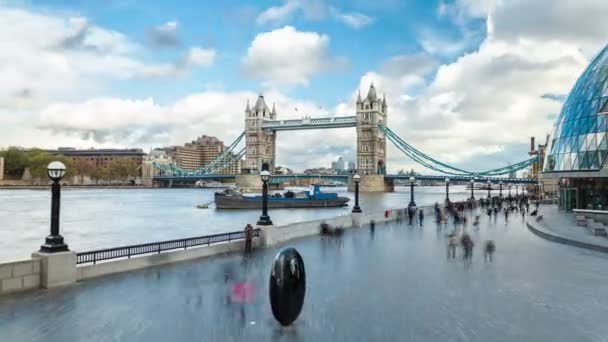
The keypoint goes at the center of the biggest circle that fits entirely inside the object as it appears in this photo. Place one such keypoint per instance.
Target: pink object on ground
(242, 293)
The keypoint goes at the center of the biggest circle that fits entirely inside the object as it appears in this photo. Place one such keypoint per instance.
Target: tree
(83, 167)
(120, 169)
(15, 161)
(38, 161)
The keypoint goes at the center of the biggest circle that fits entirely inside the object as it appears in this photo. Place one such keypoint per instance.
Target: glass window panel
(581, 143)
(594, 160)
(575, 163)
(567, 162)
(591, 142)
(602, 156)
(603, 144)
(568, 145)
(582, 161)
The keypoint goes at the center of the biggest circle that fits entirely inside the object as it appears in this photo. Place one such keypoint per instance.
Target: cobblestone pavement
(394, 284)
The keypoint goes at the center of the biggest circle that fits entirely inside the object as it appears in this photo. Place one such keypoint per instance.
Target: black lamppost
(412, 180)
(54, 242)
(447, 190)
(489, 188)
(356, 179)
(472, 189)
(265, 219)
(516, 190)
(500, 189)
(509, 190)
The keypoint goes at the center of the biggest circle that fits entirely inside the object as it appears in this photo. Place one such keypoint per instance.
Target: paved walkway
(562, 227)
(393, 284)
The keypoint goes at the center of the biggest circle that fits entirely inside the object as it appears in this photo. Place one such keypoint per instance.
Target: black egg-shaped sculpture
(287, 286)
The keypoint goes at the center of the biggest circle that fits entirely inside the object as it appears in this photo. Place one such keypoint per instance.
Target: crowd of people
(460, 212)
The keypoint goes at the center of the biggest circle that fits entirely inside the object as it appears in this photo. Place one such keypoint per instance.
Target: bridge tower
(260, 144)
(371, 142)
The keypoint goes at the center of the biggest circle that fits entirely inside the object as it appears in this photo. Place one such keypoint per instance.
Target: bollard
(287, 286)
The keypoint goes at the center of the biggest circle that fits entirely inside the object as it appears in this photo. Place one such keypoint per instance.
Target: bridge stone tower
(371, 142)
(260, 144)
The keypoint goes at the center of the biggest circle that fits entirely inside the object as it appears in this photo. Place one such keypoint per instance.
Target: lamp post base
(54, 244)
(264, 221)
(356, 209)
(412, 204)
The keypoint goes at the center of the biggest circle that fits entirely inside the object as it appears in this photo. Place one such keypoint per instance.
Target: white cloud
(199, 56)
(480, 110)
(353, 19)
(165, 35)
(311, 10)
(50, 56)
(287, 56)
(278, 14)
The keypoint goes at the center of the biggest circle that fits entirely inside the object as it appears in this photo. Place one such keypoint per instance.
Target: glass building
(578, 145)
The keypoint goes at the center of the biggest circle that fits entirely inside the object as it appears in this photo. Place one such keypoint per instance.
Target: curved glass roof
(579, 137)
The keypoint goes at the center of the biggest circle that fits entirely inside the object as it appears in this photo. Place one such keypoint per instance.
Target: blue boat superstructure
(317, 199)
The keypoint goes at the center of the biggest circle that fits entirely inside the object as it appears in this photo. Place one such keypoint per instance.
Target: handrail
(157, 247)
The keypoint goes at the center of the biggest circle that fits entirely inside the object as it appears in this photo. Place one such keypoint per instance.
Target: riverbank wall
(14, 278)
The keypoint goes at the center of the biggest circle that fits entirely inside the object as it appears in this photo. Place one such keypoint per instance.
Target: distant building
(101, 158)
(338, 165)
(282, 170)
(1, 168)
(320, 171)
(156, 156)
(351, 165)
(200, 152)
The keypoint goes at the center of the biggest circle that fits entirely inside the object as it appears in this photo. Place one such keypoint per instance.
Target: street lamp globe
(447, 180)
(412, 179)
(56, 170)
(472, 181)
(265, 175)
(356, 178)
(489, 184)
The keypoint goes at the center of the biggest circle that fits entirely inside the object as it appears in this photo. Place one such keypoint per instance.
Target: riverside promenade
(392, 283)
(561, 227)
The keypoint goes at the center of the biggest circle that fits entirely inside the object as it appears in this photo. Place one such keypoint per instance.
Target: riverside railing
(158, 247)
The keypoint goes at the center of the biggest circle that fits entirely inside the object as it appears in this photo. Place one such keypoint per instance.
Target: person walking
(420, 216)
(248, 239)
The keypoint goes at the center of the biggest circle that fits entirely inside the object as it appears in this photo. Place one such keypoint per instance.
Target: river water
(104, 218)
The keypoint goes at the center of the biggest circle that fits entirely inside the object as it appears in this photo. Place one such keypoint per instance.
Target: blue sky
(152, 73)
(229, 26)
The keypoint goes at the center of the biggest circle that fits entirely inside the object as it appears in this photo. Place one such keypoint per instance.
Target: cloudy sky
(467, 81)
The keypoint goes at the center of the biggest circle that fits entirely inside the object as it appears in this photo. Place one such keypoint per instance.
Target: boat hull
(242, 202)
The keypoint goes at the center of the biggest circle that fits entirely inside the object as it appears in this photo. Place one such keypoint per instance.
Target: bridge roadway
(344, 178)
(393, 284)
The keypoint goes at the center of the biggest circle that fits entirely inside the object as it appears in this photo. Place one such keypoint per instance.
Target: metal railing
(158, 247)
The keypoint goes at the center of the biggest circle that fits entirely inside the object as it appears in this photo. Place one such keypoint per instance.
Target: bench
(596, 228)
(581, 221)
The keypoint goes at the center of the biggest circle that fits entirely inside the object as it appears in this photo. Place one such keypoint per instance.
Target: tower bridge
(372, 130)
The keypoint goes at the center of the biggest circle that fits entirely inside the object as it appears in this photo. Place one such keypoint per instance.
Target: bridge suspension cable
(439, 166)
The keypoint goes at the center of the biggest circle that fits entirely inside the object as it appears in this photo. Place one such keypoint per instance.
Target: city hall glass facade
(578, 142)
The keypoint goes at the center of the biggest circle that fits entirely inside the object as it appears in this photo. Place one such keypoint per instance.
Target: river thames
(103, 218)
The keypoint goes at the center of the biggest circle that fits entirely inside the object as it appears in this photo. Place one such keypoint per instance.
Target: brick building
(200, 152)
(101, 158)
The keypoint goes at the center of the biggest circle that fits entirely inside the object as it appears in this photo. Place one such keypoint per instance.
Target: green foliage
(37, 160)
(121, 168)
(15, 161)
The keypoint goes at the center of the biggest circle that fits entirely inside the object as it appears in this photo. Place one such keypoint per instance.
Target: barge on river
(231, 199)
